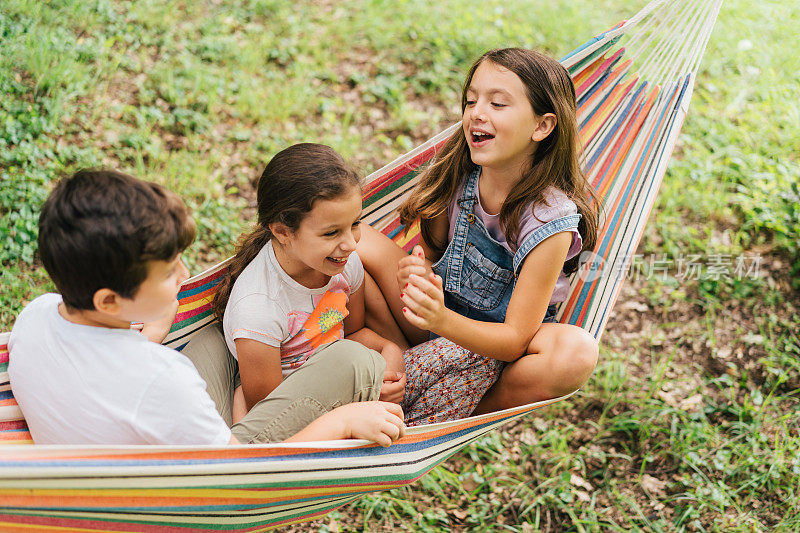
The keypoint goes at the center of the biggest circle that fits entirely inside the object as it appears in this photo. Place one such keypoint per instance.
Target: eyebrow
(333, 226)
(492, 92)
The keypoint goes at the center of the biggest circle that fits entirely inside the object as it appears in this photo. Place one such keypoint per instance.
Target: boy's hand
(412, 264)
(424, 300)
(380, 422)
(157, 330)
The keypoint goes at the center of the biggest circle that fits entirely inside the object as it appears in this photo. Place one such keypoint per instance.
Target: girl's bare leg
(380, 256)
(560, 359)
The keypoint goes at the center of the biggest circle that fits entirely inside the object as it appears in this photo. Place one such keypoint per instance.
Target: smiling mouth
(478, 137)
(339, 261)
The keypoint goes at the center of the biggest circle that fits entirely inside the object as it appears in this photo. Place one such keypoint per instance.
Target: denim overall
(478, 273)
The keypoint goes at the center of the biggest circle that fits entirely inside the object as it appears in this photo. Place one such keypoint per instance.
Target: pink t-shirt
(557, 205)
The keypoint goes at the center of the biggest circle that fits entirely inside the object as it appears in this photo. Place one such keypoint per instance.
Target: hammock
(633, 93)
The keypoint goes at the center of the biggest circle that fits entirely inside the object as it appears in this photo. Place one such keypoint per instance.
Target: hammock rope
(633, 90)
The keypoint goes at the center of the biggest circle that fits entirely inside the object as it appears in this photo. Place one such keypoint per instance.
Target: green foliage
(739, 140)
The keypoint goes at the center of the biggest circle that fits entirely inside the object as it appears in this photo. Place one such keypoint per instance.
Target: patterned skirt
(445, 381)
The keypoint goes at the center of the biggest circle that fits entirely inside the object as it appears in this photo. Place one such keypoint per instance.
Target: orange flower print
(324, 324)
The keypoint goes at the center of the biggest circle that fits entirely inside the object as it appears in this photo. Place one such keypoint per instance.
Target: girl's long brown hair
(556, 161)
(288, 188)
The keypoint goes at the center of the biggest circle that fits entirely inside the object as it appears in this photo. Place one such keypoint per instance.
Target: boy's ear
(280, 231)
(106, 301)
(547, 123)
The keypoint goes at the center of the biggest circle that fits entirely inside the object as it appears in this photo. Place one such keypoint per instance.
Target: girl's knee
(347, 354)
(346, 360)
(578, 351)
(585, 349)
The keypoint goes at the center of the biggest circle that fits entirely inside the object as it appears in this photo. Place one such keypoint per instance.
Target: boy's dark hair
(99, 228)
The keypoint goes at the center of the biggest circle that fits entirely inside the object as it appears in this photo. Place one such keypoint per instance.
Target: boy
(112, 245)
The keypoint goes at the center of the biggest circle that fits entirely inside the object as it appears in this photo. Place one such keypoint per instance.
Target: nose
(479, 111)
(349, 241)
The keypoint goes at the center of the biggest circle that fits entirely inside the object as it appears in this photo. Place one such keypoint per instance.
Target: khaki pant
(339, 373)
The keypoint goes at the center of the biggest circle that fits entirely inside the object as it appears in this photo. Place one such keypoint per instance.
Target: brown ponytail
(247, 250)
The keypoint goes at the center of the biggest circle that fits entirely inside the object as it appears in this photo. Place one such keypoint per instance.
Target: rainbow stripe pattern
(633, 92)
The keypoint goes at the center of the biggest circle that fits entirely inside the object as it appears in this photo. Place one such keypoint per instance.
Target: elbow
(516, 348)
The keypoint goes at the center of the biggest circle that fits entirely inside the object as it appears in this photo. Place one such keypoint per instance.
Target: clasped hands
(422, 292)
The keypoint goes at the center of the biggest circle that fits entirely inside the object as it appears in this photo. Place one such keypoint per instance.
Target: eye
(498, 104)
(470, 103)
(331, 233)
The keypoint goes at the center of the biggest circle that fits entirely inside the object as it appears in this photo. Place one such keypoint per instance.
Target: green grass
(690, 421)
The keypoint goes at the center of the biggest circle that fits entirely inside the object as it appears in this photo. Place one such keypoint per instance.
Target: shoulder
(259, 280)
(556, 209)
(555, 215)
(556, 205)
(36, 324)
(159, 366)
(172, 362)
(38, 308)
(254, 307)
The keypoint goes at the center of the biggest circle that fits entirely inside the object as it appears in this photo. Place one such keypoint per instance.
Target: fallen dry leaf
(653, 485)
(578, 481)
(692, 403)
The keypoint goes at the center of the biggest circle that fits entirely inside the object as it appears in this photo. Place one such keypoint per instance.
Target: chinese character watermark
(686, 267)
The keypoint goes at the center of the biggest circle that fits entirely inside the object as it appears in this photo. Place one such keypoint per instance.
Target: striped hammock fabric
(633, 82)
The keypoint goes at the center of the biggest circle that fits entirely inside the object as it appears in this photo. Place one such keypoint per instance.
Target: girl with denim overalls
(504, 212)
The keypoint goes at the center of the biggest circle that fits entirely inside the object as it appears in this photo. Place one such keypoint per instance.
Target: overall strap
(467, 201)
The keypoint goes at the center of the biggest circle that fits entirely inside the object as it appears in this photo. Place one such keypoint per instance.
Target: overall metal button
(471, 218)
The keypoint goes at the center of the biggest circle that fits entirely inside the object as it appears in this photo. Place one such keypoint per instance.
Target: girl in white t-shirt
(296, 283)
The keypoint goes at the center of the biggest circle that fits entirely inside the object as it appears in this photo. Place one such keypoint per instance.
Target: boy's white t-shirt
(81, 384)
(268, 306)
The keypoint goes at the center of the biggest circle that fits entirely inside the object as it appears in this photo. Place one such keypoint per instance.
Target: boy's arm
(380, 422)
(260, 369)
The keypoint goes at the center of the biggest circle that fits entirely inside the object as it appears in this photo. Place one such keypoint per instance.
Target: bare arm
(508, 340)
(355, 330)
(260, 369)
(381, 422)
(354, 321)
(440, 225)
